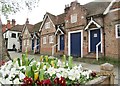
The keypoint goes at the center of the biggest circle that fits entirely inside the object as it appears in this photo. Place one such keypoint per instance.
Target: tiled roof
(18, 28)
(52, 17)
(60, 18)
(30, 27)
(37, 27)
(94, 8)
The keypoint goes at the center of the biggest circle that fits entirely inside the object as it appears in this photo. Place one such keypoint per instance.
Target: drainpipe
(104, 36)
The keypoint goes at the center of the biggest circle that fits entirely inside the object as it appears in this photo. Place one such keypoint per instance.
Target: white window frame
(51, 39)
(73, 18)
(47, 25)
(116, 30)
(45, 40)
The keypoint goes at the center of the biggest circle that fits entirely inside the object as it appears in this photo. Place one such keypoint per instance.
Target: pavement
(93, 67)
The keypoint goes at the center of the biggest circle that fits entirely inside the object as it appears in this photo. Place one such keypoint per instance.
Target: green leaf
(41, 74)
(23, 59)
(29, 72)
(30, 61)
(19, 62)
(34, 67)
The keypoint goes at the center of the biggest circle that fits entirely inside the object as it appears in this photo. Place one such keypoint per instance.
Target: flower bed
(47, 71)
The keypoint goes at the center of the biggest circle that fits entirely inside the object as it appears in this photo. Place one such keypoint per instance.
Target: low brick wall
(106, 76)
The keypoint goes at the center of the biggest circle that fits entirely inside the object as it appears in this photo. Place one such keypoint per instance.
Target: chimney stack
(27, 21)
(13, 22)
(66, 8)
(8, 21)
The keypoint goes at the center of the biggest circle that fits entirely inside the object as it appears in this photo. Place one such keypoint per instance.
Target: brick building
(30, 37)
(82, 29)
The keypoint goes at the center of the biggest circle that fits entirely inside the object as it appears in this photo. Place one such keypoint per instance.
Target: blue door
(75, 41)
(95, 38)
(61, 42)
(32, 44)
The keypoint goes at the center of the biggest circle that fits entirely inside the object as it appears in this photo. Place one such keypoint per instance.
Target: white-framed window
(27, 41)
(44, 40)
(47, 25)
(51, 39)
(73, 18)
(117, 28)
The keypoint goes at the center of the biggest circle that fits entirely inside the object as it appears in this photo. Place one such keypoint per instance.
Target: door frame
(69, 44)
(90, 40)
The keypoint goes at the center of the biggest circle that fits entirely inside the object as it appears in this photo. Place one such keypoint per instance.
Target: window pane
(73, 18)
(119, 30)
(51, 39)
(44, 40)
(13, 35)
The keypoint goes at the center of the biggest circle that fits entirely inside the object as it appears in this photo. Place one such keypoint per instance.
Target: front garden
(46, 71)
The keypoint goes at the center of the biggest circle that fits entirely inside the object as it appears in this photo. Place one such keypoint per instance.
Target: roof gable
(110, 5)
(52, 19)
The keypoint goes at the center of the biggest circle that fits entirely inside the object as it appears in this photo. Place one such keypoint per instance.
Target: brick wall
(47, 48)
(111, 42)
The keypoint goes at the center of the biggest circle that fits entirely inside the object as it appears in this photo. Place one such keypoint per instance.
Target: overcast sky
(55, 7)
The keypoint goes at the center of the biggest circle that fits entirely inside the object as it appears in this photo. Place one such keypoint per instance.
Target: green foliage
(13, 6)
(19, 61)
(29, 72)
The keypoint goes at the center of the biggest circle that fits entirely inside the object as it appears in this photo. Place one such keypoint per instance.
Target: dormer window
(73, 18)
(47, 25)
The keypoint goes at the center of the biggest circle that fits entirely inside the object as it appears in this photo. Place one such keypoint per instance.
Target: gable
(46, 19)
(115, 4)
(26, 33)
(75, 15)
(47, 26)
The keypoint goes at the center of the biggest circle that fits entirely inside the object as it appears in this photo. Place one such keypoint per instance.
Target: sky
(54, 7)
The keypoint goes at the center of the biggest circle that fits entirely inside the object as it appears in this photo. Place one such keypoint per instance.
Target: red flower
(93, 74)
(46, 82)
(62, 81)
(2, 62)
(56, 81)
(39, 83)
(28, 81)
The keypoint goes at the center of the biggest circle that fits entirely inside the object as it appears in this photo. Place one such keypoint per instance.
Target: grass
(115, 62)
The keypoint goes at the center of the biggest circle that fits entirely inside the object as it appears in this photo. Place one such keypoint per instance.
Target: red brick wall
(47, 48)
(76, 8)
(111, 19)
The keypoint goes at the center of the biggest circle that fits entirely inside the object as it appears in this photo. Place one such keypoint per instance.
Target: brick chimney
(8, 21)
(66, 8)
(27, 21)
(13, 22)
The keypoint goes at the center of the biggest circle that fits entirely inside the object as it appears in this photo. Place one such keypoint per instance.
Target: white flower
(16, 81)
(7, 81)
(21, 76)
(22, 67)
(77, 74)
(59, 63)
(38, 64)
(65, 73)
(16, 65)
(71, 75)
(44, 67)
(51, 71)
(58, 75)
